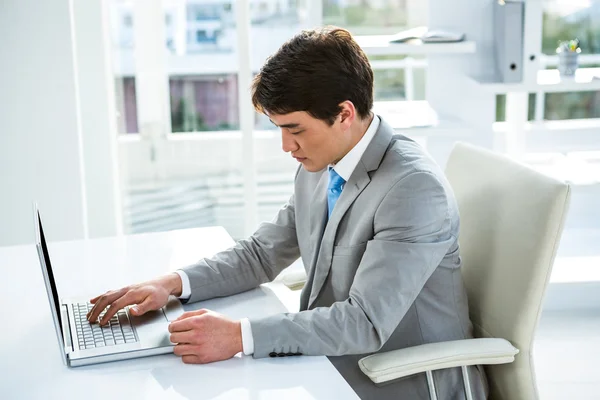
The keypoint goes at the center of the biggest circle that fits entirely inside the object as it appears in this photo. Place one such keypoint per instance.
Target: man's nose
(288, 143)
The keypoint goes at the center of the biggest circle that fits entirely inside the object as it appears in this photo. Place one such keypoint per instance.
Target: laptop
(125, 336)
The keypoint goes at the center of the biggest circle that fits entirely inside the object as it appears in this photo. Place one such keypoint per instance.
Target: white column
(41, 156)
(180, 23)
(98, 118)
(151, 78)
(242, 15)
(540, 106)
(517, 106)
(409, 79)
(532, 40)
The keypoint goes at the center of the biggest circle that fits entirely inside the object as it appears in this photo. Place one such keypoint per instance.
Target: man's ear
(347, 114)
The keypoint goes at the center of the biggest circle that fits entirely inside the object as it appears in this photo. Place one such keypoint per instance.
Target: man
(372, 217)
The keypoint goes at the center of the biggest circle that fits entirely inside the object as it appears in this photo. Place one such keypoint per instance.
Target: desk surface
(30, 364)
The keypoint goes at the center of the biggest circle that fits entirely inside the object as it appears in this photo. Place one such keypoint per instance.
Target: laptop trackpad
(152, 329)
(151, 317)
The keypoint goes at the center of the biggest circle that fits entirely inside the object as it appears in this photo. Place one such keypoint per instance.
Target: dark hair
(315, 71)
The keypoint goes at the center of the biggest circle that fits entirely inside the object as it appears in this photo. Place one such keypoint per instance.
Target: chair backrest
(511, 222)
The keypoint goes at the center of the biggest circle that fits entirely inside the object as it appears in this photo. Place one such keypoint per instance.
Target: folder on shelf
(426, 35)
(508, 39)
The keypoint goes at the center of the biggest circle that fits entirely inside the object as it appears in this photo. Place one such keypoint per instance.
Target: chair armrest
(395, 364)
(294, 280)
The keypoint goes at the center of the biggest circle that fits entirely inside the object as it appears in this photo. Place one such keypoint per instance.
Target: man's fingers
(95, 299)
(192, 314)
(186, 350)
(103, 301)
(191, 359)
(187, 337)
(183, 325)
(129, 298)
(142, 307)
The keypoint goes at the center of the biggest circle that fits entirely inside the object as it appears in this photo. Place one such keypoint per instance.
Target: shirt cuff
(247, 338)
(186, 290)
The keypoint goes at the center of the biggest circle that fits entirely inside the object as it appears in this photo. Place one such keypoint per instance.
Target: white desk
(30, 364)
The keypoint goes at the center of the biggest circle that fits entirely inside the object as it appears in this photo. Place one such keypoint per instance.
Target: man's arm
(246, 265)
(405, 250)
(249, 263)
(252, 261)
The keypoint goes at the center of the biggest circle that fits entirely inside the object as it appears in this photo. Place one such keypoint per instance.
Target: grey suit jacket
(383, 272)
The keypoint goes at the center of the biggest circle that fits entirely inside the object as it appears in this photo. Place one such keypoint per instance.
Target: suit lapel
(358, 181)
(318, 219)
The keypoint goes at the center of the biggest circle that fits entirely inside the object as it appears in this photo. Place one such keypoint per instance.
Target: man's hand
(205, 336)
(147, 296)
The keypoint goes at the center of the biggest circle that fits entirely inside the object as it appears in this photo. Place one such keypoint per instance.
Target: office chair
(511, 222)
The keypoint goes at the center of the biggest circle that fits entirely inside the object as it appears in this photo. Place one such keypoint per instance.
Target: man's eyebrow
(285, 125)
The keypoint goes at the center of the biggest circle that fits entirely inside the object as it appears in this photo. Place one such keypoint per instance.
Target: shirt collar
(345, 167)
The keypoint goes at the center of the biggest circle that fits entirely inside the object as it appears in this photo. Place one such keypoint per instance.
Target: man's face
(312, 141)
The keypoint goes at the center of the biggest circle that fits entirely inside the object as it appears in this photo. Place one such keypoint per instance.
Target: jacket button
(272, 354)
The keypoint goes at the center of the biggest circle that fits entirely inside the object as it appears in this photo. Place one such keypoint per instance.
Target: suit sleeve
(250, 262)
(398, 261)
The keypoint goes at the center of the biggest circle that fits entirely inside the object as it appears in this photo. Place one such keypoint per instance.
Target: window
(127, 20)
(372, 17)
(204, 103)
(126, 105)
(572, 105)
(565, 20)
(501, 107)
(569, 19)
(201, 36)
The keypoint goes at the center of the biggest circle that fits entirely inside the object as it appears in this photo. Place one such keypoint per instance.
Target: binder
(508, 39)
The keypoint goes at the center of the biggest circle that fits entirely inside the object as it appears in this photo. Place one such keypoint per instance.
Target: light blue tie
(334, 189)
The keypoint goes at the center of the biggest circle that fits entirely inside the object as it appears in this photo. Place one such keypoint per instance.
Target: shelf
(379, 45)
(418, 118)
(559, 136)
(560, 126)
(548, 80)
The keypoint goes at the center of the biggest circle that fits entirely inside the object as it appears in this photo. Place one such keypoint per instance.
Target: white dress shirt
(344, 168)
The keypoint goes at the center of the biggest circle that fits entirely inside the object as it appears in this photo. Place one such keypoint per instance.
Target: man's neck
(357, 132)
(360, 129)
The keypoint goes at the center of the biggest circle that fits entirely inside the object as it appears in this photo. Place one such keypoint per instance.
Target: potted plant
(568, 56)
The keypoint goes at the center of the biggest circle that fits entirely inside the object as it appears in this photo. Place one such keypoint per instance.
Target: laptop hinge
(64, 316)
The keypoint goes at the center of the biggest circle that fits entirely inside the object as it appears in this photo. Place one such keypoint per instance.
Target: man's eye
(295, 133)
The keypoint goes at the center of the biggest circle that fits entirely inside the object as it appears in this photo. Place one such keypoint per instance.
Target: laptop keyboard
(90, 336)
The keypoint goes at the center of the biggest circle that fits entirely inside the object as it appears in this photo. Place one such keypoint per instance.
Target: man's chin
(311, 167)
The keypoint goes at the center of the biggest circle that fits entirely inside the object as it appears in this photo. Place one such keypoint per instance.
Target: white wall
(40, 138)
(57, 122)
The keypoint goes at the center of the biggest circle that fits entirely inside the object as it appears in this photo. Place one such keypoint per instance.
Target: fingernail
(135, 309)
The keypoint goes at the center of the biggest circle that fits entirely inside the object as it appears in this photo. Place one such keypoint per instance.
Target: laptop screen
(49, 269)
